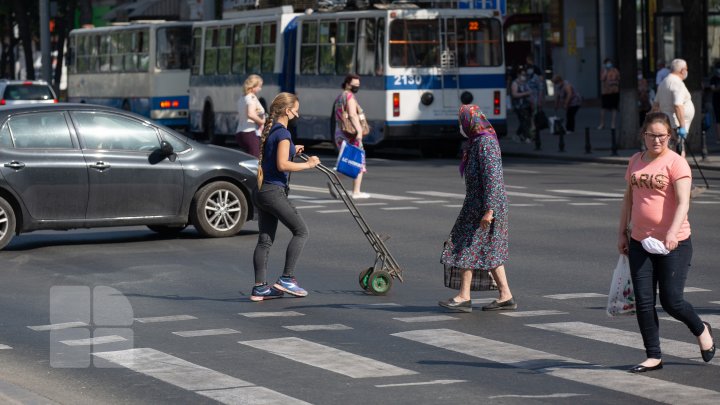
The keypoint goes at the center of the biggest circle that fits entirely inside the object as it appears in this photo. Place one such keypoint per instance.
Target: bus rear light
(169, 104)
(496, 103)
(55, 101)
(2, 101)
(396, 104)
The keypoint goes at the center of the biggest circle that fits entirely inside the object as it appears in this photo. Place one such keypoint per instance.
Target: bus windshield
(173, 48)
(467, 42)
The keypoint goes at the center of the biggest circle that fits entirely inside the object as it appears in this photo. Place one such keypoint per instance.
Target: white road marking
(170, 318)
(309, 189)
(94, 341)
(5, 347)
(318, 201)
(398, 208)
(608, 199)
(562, 367)
(621, 337)
(711, 319)
(205, 332)
(331, 211)
(58, 326)
(520, 187)
(715, 302)
(433, 382)
(705, 202)
(558, 395)
(453, 205)
(327, 358)
(371, 306)
(438, 194)
(588, 193)
(430, 201)
(369, 204)
(520, 171)
(391, 197)
(300, 197)
(525, 205)
(523, 314)
(429, 318)
(306, 328)
(192, 377)
(695, 289)
(528, 195)
(306, 207)
(574, 295)
(269, 314)
(552, 200)
(587, 203)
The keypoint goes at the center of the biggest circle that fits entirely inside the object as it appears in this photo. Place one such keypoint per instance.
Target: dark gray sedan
(68, 166)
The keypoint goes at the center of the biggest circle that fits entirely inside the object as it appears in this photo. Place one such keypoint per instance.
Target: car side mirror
(166, 149)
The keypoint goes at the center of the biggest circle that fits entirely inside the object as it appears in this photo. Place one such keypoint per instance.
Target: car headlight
(251, 165)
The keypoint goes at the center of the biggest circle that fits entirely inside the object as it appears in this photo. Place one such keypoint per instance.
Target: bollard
(588, 148)
(561, 142)
(613, 142)
(703, 142)
(538, 144)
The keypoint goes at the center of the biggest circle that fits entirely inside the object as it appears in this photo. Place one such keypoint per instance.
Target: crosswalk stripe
(192, 377)
(205, 332)
(5, 347)
(587, 204)
(574, 295)
(715, 302)
(369, 204)
(307, 207)
(391, 197)
(398, 208)
(370, 306)
(438, 194)
(706, 202)
(523, 314)
(434, 382)
(270, 314)
(588, 193)
(453, 205)
(429, 318)
(622, 338)
(94, 341)
(319, 201)
(562, 367)
(58, 326)
(558, 395)
(525, 205)
(695, 289)
(331, 211)
(327, 358)
(552, 200)
(430, 202)
(711, 319)
(306, 328)
(528, 195)
(170, 318)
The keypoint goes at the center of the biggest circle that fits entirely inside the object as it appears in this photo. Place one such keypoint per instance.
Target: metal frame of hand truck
(377, 279)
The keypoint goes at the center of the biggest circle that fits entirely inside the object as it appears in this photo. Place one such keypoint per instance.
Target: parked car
(66, 166)
(14, 92)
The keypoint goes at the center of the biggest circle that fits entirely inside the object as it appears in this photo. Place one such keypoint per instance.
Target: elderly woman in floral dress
(479, 240)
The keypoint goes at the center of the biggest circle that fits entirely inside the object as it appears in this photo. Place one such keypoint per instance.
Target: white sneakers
(360, 196)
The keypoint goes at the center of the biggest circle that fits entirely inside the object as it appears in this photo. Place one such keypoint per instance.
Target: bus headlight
(427, 98)
(466, 97)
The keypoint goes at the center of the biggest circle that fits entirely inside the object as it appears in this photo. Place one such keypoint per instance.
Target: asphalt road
(173, 324)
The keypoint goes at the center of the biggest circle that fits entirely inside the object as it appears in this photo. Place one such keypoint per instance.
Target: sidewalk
(600, 142)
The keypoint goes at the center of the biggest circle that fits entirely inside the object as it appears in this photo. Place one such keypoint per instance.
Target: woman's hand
(313, 161)
(486, 220)
(299, 149)
(623, 244)
(671, 241)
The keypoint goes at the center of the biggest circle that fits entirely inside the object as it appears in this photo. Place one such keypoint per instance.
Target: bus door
(449, 74)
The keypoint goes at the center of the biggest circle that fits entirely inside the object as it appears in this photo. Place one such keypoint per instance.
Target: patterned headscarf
(474, 124)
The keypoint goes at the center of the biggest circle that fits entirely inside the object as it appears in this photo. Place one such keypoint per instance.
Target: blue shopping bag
(350, 160)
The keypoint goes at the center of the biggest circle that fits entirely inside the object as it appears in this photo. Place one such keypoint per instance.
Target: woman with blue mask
(479, 239)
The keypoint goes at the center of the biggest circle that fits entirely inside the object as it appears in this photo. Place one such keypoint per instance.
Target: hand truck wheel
(379, 282)
(364, 275)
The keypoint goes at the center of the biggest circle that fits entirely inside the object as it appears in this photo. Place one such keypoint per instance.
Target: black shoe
(496, 305)
(708, 354)
(643, 369)
(462, 306)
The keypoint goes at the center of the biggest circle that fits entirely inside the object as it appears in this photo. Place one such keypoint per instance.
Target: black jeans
(570, 118)
(273, 206)
(668, 273)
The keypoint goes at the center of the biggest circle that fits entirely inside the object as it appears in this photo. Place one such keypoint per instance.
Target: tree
(627, 63)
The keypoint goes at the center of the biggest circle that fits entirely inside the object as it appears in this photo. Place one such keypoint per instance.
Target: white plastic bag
(621, 299)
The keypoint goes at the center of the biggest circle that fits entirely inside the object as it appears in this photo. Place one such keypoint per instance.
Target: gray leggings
(273, 206)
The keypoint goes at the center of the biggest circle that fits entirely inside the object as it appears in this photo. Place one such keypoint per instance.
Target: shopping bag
(621, 299)
(541, 120)
(556, 125)
(350, 160)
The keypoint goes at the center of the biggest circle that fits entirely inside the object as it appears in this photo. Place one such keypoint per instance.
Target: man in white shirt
(673, 98)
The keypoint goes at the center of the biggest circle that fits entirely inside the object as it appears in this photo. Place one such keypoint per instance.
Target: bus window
(414, 43)
(308, 49)
(366, 48)
(478, 42)
(224, 50)
(116, 57)
(328, 32)
(173, 50)
(143, 51)
(197, 51)
(105, 51)
(345, 47)
(239, 41)
(210, 59)
(254, 48)
(268, 47)
(380, 49)
(93, 52)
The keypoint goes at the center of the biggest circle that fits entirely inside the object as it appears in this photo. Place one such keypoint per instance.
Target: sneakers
(359, 196)
(265, 292)
(290, 286)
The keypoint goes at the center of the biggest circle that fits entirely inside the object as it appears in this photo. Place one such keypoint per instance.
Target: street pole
(45, 40)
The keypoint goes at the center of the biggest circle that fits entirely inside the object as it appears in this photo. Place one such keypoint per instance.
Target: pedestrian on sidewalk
(609, 92)
(347, 101)
(536, 83)
(715, 90)
(673, 98)
(479, 239)
(662, 72)
(521, 103)
(567, 97)
(655, 208)
(251, 116)
(644, 97)
(277, 151)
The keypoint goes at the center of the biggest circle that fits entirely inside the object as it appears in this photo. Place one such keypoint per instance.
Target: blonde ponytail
(280, 103)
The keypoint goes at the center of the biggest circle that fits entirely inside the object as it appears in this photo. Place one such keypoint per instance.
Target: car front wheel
(219, 209)
(7, 223)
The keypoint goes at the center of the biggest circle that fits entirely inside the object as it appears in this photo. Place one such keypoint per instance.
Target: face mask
(354, 89)
(654, 246)
(462, 132)
(293, 120)
(685, 75)
(608, 65)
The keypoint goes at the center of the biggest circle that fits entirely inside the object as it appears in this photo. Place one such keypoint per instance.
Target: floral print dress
(469, 246)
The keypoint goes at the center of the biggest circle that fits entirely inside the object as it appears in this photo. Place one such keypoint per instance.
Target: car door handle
(15, 165)
(100, 165)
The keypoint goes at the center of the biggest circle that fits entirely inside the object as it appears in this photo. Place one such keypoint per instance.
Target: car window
(100, 130)
(5, 138)
(40, 131)
(177, 144)
(28, 92)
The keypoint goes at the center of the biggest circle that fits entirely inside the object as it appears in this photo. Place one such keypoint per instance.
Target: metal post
(561, 141)
(613, 142)
(538, 143)
(44, 7)
(703, 142)
(588, 147)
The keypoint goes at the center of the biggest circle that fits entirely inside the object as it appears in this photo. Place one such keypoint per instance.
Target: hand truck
(377, 279)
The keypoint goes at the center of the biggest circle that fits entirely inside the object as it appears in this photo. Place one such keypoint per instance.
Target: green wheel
(379, 282)
(364, 275)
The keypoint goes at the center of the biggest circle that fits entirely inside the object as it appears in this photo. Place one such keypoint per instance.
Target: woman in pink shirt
(655, 207)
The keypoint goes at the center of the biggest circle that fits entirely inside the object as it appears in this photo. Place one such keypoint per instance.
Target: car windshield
(28, 92)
